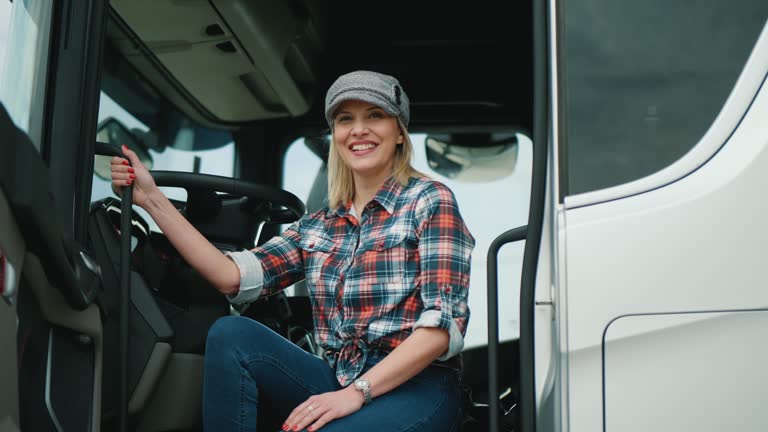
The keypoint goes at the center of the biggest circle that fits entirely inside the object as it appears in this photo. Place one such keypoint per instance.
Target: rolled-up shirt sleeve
(445, 249)
(251, 277)
(269, 268)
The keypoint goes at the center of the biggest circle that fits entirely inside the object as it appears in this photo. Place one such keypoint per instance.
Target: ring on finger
(309, 407)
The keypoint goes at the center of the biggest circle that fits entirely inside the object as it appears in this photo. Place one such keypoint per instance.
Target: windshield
(180, 155)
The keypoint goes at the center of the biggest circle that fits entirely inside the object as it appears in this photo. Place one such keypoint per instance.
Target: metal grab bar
(510, 236)
(125, 300)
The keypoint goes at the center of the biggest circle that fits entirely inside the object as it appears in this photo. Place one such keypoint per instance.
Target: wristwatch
(363, 385)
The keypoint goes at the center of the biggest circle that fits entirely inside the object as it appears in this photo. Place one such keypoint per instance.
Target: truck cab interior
(209, 89)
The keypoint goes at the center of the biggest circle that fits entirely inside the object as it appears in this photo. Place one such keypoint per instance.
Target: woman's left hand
(318, 410)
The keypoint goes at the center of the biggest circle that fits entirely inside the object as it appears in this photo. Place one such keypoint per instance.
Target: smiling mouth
(362, 147)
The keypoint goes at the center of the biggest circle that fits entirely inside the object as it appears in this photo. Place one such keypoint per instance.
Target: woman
(387, 267)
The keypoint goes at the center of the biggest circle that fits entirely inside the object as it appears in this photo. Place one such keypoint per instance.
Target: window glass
(300, 168)
(645, 79)
(218, 161)
(492, 186)
(25, 39)
(5, 21)
(493, 194)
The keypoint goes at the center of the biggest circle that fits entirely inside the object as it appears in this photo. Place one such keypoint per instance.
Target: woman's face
(366, 138)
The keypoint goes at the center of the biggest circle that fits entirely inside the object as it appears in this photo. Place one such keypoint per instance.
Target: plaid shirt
(402, 265)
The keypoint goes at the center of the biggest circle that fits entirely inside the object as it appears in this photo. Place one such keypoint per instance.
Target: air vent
(227, 47)
(214, 30)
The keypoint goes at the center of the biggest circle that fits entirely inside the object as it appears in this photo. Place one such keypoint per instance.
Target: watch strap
(365, 388)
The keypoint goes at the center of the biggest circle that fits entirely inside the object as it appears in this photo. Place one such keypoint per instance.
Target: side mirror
(110, 135)
(472, 157)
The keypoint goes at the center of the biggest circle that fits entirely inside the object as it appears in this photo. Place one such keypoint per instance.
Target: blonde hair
(341, 184)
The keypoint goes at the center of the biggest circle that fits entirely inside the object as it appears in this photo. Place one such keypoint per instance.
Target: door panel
(695, 245)
(59, 337)
(48, 316)
(686, 372)
(12, 249)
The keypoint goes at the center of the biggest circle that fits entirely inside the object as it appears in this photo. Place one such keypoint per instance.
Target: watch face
(361, 384)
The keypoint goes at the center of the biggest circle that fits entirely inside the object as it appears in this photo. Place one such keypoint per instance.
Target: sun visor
(240, 60)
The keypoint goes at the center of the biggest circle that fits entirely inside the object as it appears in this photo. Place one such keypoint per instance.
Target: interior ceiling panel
(460, 64)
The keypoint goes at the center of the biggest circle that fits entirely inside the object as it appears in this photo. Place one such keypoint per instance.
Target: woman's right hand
(124, 174)
(201, 255)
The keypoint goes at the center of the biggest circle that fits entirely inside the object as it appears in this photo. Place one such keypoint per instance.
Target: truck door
(660, 155)
(52, 339)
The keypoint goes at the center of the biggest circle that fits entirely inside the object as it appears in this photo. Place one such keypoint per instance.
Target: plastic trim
(48, 403)
(158, 360)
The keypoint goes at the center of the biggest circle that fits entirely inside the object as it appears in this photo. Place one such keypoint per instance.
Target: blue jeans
(249, 368)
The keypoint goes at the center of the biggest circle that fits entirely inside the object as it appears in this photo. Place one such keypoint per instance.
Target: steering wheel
(271, 204)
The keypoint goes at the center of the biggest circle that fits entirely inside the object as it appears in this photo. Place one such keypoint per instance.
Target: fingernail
(285, 427)
(125, 162)
(124, 147)
(130, 170)
(129, 182)
(132, 176)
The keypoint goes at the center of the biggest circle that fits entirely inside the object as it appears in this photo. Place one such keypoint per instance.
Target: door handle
(513, 235)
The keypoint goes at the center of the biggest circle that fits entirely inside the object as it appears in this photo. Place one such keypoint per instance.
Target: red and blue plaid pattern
(403, 265)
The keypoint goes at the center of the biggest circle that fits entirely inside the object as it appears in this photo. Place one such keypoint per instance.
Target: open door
(12, 251)
(48, 276)
(53, 282)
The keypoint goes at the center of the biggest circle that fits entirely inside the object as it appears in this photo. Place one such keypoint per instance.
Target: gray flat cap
(381, 90)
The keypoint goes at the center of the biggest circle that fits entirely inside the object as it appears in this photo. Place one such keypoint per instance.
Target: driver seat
(171, 310)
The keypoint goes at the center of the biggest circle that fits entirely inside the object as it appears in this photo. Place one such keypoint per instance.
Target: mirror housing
(476, 157)
(112, 133)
